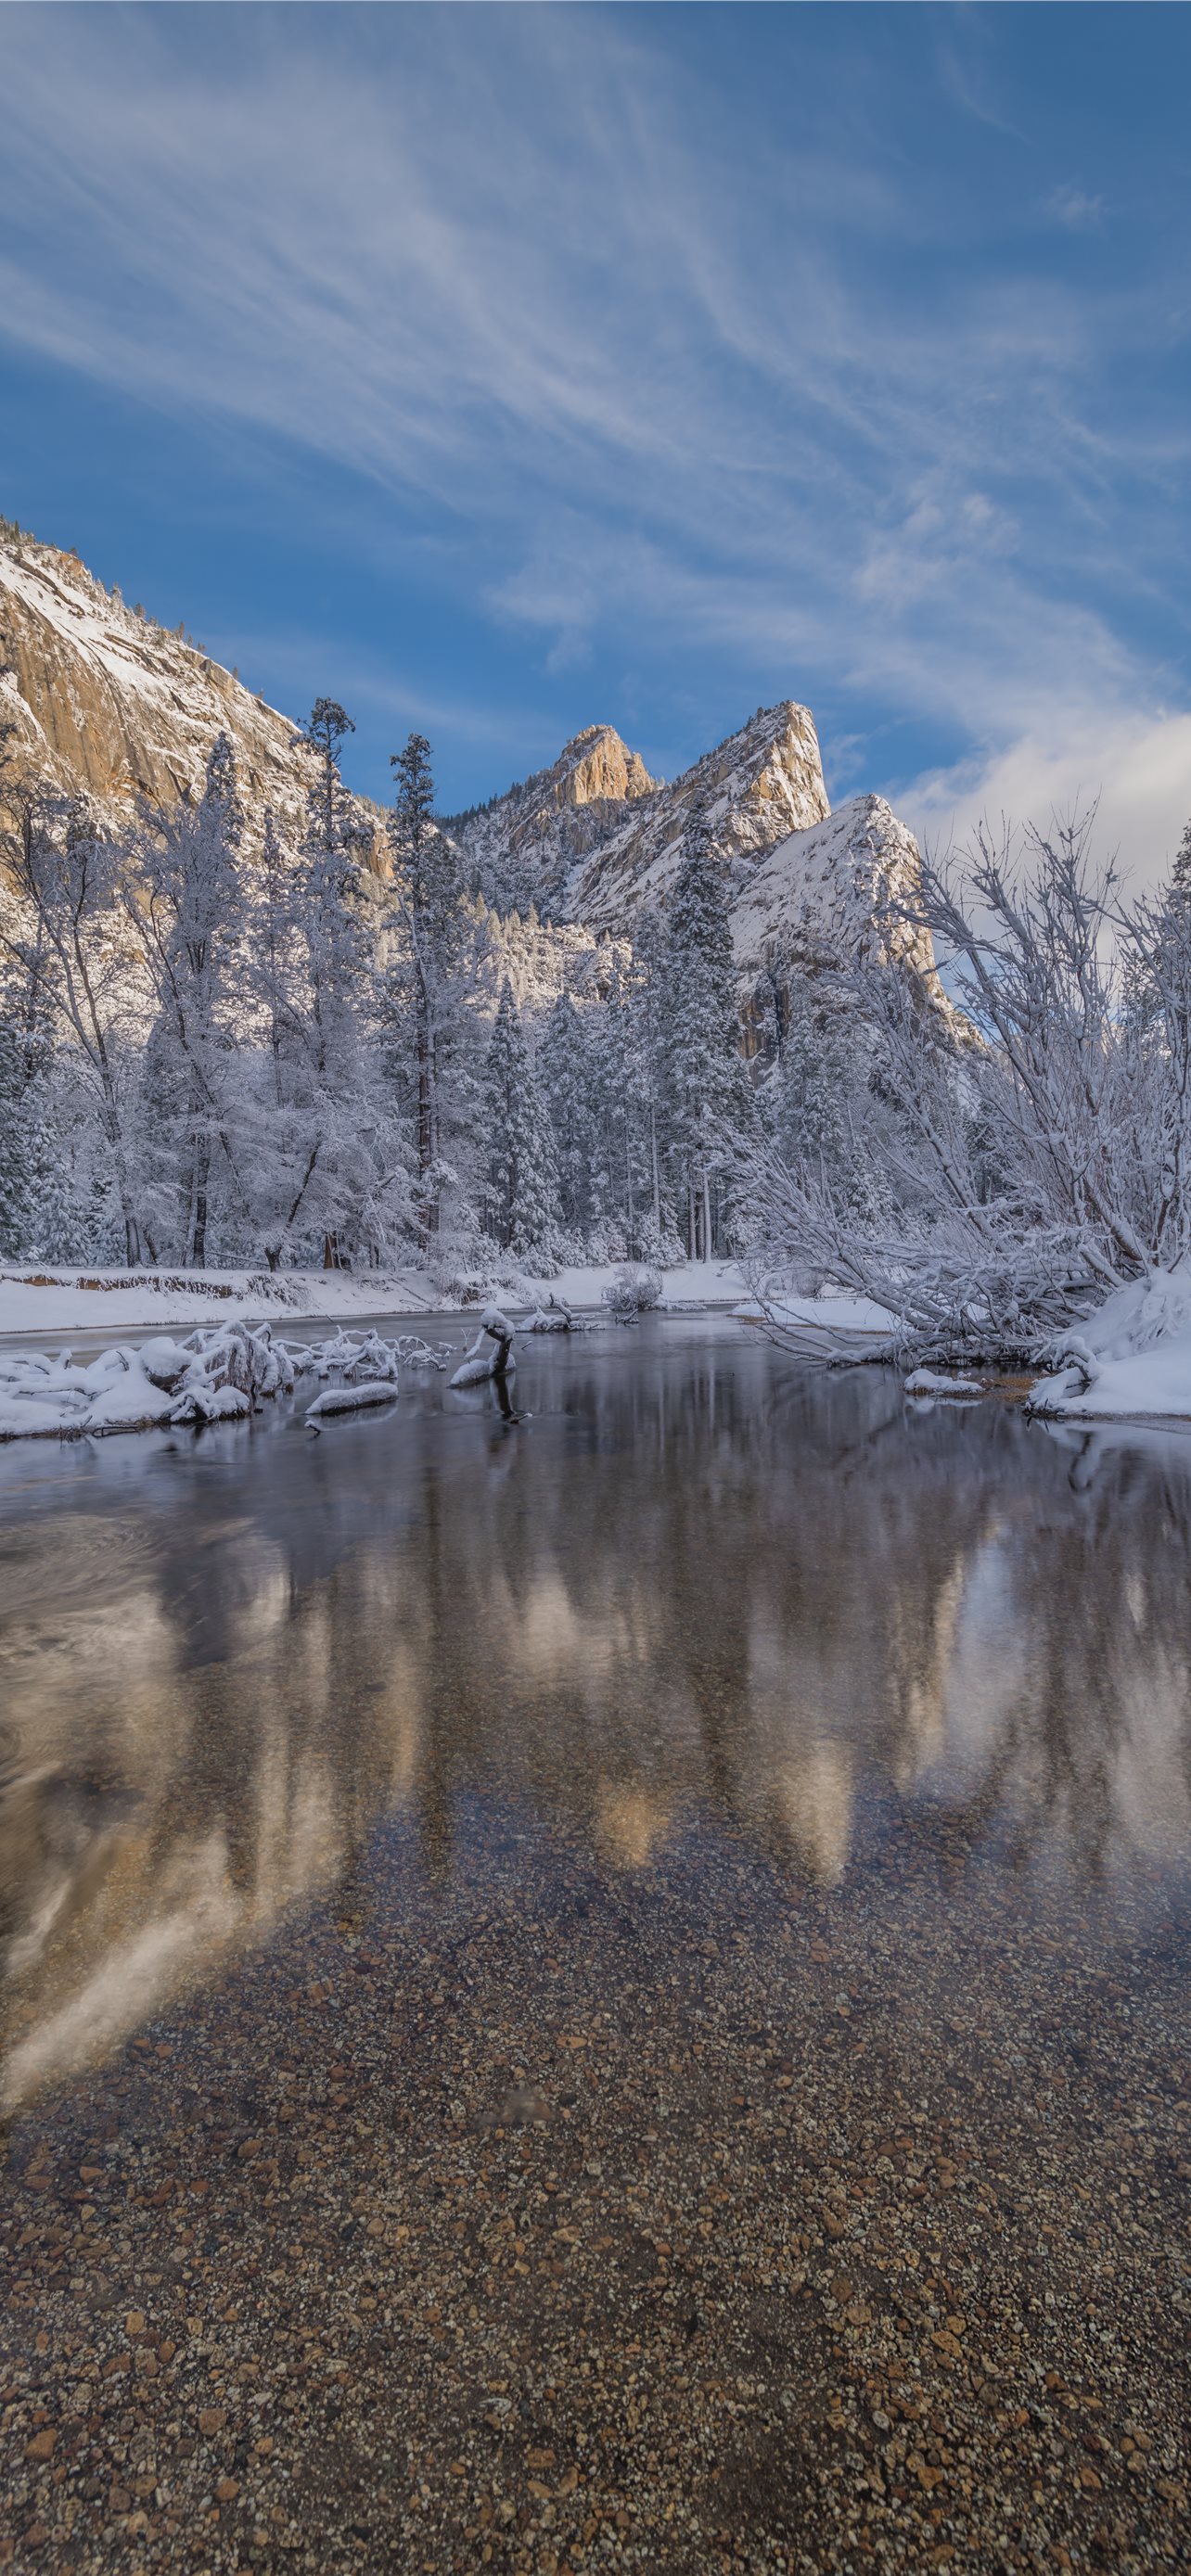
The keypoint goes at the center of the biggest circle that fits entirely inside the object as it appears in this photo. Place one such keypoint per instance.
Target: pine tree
(709, 1102)
(70, 954)
(331, 1173)
(567, 1076)
(328, 812)
(818, 1101)
(185, 903)
(432, 922)
(15, 1141)
(522, 1185)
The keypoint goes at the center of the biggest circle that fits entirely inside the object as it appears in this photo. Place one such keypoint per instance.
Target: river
(599, 1987)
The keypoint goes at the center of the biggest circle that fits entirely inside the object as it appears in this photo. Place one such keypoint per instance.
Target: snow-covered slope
(1132, 1359)
(821, 891)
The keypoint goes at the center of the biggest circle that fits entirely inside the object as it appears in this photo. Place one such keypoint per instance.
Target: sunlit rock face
(108, 705)
(751, 791)
(594, 837)
(594, 840)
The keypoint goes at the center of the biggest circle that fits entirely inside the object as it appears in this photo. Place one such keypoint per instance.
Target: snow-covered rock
(925, 1381)
(349, 1399)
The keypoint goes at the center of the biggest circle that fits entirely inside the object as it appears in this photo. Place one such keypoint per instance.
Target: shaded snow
(1131, 1360)
(39, 1302)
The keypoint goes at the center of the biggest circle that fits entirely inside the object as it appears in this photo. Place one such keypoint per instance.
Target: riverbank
(38, 1302)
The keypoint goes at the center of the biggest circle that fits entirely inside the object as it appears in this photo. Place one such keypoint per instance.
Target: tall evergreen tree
(566, 1073)
(709, 1096)
(185, 905)
(16, 1143)
(68, 949)
(522, 1179)
(330, 1174)
(432, 921)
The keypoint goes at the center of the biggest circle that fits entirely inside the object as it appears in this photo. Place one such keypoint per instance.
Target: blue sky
(498, 370)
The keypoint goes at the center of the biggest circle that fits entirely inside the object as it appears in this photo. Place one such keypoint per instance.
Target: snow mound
(214, 1376)
(1132, 1360)
(925, 1382)
(218, 1374)
(350, 1399)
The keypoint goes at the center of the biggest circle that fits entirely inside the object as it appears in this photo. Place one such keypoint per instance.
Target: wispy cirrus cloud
(653, 361)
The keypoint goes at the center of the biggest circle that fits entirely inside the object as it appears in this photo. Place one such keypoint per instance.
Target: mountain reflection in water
(694, 1586)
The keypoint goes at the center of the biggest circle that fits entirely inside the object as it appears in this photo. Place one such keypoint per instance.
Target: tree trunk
(202, 1167)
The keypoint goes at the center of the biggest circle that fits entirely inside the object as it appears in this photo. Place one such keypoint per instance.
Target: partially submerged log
(350, 1399)
(491, 1354)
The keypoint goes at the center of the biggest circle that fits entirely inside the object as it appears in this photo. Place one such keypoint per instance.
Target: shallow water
(694, 1585)
(886, 1711)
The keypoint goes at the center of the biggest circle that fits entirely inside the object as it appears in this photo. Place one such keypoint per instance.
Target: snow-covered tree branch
(1006, 1165)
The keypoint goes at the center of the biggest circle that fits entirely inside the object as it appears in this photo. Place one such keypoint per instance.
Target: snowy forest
(273, 1049)
(267, 1050)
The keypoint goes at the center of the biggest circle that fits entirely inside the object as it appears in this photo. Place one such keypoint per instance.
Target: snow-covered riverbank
(1132, 1360)
(121, 1301)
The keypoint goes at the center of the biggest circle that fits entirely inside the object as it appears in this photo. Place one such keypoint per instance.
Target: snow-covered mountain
(594, 838)
(822, 890)
(101, 701)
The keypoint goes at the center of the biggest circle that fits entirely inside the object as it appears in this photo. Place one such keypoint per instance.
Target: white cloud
(1074, 208)
(1136, 761)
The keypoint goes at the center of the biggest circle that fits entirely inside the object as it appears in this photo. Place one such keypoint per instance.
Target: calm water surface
(604, 1990)
(694, 1589)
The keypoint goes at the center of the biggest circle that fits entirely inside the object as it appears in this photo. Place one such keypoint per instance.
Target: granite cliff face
(595, 836)
(101, 702)
(105, 704)
(523, 847)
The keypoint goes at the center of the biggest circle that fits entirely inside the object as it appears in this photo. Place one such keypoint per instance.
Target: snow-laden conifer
(709, 1101)
(522, 1180)
(432, 975)
(183, 905)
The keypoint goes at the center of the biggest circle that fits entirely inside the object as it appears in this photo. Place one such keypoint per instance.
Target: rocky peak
(832, 890)
(597, 767)
(762, 783)
(101, 701)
